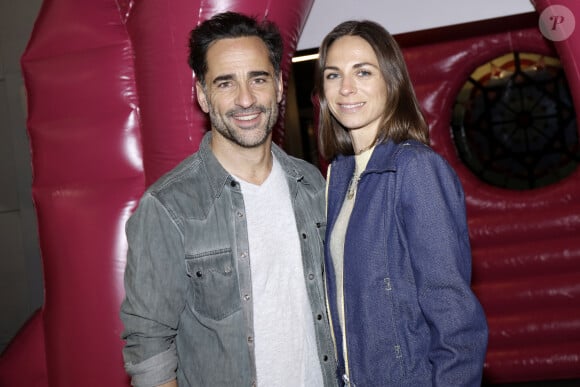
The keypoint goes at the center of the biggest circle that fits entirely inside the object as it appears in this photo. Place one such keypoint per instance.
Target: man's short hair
(229, 25)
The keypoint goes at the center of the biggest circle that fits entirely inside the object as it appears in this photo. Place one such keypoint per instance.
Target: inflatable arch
(111, 108)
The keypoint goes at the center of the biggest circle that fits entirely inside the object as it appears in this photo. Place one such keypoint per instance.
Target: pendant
(352, 188)
(350, 194)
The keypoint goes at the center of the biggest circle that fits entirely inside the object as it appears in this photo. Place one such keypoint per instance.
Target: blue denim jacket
(411, 317)
(188, 306)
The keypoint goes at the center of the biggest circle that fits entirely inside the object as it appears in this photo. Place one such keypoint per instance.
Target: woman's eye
(364, 73)
(331, 76)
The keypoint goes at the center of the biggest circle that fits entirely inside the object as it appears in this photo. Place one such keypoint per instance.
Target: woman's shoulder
(411, 154)
(413, 149)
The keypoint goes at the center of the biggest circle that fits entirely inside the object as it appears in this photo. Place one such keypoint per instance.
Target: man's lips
(246, 117)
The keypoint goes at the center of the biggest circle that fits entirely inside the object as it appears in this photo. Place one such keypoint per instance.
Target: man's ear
(279, 88)
(201, 97)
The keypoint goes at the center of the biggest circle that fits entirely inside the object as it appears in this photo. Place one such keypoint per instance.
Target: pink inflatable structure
(111, 108)
(525, 244)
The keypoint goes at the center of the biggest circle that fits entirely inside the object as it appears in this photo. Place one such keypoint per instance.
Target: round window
(514, 124)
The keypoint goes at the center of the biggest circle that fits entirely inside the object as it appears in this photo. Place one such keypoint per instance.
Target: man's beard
(236, 135)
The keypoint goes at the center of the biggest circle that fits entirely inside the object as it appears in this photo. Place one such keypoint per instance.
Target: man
(224, 269)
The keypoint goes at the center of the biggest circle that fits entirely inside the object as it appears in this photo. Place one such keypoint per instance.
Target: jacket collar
(218, 177)
(382, 159)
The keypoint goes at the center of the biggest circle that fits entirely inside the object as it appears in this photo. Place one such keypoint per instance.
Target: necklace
(353, 184)
(366, 148)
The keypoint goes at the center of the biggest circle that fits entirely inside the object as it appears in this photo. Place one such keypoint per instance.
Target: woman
(398, 259)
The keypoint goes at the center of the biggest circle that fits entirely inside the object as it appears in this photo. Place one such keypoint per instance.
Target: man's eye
(223, 85)
(260, 81)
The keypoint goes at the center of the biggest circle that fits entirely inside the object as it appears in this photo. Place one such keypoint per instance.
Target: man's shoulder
(183, 173)
(185, 191)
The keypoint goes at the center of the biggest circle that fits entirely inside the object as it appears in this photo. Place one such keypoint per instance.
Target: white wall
(403, 16)
(21, 286)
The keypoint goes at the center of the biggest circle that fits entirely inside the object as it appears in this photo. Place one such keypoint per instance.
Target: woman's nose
(347, 87)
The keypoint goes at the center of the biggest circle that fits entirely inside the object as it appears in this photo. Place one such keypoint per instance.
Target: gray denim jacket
(188, 306)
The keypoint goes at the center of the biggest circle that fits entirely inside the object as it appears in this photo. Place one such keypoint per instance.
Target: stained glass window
(514, 124)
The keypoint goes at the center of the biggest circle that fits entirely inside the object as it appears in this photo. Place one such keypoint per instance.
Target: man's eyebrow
(222, 78)
(254, 74)
(251, 74)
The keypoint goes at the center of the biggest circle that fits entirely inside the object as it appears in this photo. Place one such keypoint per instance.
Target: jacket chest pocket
(214, 283)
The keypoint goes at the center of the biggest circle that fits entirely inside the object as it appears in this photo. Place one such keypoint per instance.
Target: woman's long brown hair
(402, 117)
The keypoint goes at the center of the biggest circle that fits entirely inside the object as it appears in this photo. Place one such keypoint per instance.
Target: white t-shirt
(285, 342)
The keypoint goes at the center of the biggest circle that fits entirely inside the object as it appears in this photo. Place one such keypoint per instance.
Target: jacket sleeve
(154, 287)
(433, 206)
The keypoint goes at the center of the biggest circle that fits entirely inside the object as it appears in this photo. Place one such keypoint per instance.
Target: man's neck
(250, 164)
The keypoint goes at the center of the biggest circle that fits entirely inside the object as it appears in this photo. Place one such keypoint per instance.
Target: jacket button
(247, 297)
(240, 214)
(319, 317)
(325, 358)
(233, 183)
(310, 276)
(303, 235)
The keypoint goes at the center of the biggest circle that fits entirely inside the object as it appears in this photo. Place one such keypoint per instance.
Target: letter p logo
(557, 23)
(556, 20)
